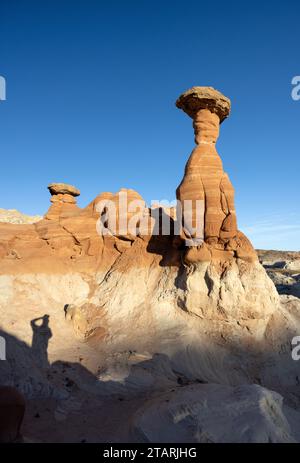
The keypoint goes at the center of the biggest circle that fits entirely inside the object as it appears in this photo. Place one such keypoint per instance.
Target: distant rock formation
(284, 270)
(16, 217)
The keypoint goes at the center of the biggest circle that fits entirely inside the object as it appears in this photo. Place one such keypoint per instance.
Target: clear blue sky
(91, 87)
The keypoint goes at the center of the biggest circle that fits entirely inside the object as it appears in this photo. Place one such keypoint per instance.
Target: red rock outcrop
(122, 212)
(69, 238)
(63, 201)
(205, 180)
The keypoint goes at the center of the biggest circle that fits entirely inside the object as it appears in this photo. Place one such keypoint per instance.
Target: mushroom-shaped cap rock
(63, 188)
(197, 98)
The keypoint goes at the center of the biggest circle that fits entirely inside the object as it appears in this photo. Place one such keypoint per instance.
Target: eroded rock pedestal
(63, 199)
(205, 180)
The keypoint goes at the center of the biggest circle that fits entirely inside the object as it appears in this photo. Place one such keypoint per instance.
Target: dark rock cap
(63, 188)
(197, 98)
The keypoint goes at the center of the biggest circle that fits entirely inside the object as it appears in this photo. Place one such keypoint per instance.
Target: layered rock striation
(63, 201)
(205, 180)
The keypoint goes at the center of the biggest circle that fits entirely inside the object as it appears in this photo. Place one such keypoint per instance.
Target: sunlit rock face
(205, 180)
(90, 320)
(63, 201)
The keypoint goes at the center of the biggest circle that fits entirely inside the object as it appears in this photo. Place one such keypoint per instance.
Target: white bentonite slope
(155, 354)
